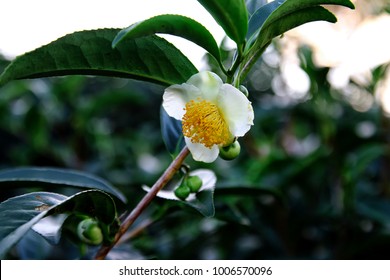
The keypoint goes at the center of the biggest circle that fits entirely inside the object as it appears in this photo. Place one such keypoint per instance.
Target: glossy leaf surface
(90, 53)
(171, 131)
(29, 176)
(231, 15)
(19, 214)
(287, 16)
(174, 25)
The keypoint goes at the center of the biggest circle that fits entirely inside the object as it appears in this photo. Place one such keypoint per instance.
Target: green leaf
(171, 131)
(33, 247)
(29, 176)
(288, 15)
(50, 227)
(204, 203)
(90, 53)
(280, 26)
(174, 25)
(231, 15)
(19, 214)
(290, 7)
(253, 5)
(260, 16)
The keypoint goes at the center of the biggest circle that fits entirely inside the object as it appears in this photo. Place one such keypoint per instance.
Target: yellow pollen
(203, 123)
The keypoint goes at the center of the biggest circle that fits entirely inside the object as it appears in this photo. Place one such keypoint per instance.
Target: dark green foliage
(19, 214)
(271, 203)
(276, 18)
(90, 53)
(231, 15)
(174, 25)
(311, 181)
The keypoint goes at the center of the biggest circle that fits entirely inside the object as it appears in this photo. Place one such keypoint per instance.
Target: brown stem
(145, 201)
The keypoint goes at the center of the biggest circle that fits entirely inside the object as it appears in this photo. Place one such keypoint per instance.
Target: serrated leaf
(231, 15)
(291, 6)
(280, 26)
(260, 16)
(171, 131)
(90, 53)
(29, 176)
(287, 16)
(174, 25)
(19, 214)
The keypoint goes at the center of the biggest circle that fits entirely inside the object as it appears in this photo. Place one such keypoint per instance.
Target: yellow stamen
(203, 123)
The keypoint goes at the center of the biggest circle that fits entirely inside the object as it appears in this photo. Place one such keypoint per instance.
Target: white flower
(208, 183)
(213, 114)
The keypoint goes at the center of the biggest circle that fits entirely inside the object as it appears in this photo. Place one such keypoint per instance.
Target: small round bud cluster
(190, 184)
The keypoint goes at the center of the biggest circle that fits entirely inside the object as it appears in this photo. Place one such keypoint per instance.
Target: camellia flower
(213, 114)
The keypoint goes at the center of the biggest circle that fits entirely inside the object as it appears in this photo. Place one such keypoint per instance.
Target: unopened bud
(88, 231)
(230, 152)
(194, 183)
(183, 191)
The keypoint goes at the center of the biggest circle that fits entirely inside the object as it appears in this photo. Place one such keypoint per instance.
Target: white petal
(208, 83)
(175, 98)
(236, 108)
(208, 177)
(200, 152)
(163, 193)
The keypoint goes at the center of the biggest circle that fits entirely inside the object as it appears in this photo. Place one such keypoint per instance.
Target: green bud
(88, 231)
(194, 183)
(183, 191)
(230, 152)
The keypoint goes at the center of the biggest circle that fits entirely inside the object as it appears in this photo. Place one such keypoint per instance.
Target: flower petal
(200, 152)
(175, 98)
(208, 83)
(162, 193)
(208, 177)
(236, 109)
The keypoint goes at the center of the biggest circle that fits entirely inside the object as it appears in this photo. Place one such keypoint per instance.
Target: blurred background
(313, 178)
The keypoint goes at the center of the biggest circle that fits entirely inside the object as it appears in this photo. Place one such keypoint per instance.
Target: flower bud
(183, 191)
(194, 183)
(230, 152)
(88, 231)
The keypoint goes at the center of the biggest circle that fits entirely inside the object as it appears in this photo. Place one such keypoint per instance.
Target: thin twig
(145, 201)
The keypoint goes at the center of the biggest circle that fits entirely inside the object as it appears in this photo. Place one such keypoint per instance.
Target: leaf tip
(116, 40)
(351, 5)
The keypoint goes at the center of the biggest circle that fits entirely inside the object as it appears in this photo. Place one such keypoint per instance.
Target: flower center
(203, 123)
